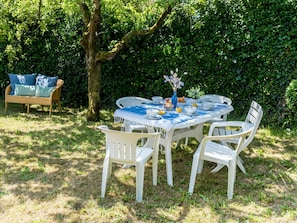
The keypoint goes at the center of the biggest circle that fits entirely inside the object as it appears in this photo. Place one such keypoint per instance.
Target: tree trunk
(89, 42)
(94, 80)
(91, 39)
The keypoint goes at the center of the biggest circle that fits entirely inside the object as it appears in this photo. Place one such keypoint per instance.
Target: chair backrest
(121, 146)
(254, 118)
(131, 101)
(215, 98)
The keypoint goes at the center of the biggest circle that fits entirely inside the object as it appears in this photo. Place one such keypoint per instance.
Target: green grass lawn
(50, 171)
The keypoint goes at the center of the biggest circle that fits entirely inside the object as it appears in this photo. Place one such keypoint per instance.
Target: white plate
(157, 103)
(205, 109)
(153, 118)
(191, 114)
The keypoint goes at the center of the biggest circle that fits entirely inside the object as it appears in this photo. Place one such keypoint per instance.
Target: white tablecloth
(171, 119)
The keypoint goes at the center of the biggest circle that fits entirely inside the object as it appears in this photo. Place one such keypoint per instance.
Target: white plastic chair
(211, 150)
(253, 117)
(131, 101)
(128, 102)
(122, 147)
(216, 99)
(185, 133)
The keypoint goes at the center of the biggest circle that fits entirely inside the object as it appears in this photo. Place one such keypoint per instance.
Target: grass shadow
(55, 163)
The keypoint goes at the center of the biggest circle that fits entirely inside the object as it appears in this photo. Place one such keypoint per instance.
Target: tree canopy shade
(243, 50)
(91, 42)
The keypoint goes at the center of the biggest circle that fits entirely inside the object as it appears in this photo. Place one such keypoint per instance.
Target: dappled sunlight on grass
(50, 171)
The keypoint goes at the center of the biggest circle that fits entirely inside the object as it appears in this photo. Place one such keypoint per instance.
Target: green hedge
(243, 50)
(291, 96)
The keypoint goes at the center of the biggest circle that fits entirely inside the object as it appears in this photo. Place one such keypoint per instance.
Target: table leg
(168, 157)
(167, 143)
(198, 132)
(194, 132)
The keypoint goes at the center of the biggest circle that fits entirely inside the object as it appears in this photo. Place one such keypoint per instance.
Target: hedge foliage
(245, 50)
(291, 95)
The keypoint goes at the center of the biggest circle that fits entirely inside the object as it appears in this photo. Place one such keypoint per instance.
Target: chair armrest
(231, 124)
(153, 140)
(225, 137)
(100, 127)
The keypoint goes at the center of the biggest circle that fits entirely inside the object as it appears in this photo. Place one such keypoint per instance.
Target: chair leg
(155, 168)
(109, 170)
(239, 162)
(231, 178)
(193, 172)
(217, 168)
(168, 158)
(142, 139)
(139, 181)
(105, 174)
(186, 141)
(200, 166)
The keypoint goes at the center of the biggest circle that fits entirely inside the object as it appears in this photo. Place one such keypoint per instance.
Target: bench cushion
(43, 91)
(26, 79)
(25, 90)
(46, 81)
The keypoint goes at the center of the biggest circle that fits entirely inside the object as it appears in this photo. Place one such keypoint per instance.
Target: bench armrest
(8, 90)
(56, 93)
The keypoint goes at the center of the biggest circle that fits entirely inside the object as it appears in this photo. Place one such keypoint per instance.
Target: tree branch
(93, 24)
(86, 13)
(109, 55)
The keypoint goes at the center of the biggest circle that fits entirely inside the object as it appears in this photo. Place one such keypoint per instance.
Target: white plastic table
(171, 123)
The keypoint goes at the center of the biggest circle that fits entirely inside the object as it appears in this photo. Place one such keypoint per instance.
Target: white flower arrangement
(174, 81)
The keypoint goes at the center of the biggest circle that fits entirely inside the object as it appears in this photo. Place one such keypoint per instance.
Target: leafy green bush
(291, 96)
(291, 101)
(194, 92)
(243, 50)
(224, 49)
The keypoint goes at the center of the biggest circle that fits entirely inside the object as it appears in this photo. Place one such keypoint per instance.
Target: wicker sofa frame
(30, 100)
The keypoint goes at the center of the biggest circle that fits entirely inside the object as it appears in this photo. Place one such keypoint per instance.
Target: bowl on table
(152, 112)
(193, 102)
(157, 99)
(207, 105)
(190, 109)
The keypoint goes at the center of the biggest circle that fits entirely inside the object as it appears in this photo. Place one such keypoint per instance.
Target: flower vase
(174, 99)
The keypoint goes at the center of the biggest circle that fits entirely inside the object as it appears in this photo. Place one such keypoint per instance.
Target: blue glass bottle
(174, 99)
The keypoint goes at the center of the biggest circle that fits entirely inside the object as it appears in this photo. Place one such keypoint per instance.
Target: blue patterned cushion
(43, 91)
(46, 81)
(24, 90)
(25, 79)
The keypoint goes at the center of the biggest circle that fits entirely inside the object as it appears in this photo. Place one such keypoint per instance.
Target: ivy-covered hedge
(245, 50)
(291, 96)
(51, 49)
